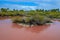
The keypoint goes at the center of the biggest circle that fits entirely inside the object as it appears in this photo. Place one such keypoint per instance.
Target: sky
(30, 4)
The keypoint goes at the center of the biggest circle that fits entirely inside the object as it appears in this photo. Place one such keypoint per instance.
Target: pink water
(12, 31)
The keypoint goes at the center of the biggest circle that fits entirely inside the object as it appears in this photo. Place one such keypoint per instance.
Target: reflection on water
(12, 31)
(14, 25)
(35, 29)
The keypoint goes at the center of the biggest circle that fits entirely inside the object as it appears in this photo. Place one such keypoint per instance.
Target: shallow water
(12, 31)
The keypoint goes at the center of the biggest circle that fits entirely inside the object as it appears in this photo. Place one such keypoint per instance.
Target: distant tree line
(53, 13)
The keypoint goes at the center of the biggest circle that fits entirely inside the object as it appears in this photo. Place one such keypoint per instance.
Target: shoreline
(27, 25)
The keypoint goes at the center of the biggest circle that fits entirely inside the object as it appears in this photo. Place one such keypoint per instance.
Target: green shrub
(33, 20)
(17, 19)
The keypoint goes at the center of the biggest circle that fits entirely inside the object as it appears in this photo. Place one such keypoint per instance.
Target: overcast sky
(30, 4)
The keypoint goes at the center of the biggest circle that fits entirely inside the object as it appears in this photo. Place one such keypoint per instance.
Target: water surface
(12, 31)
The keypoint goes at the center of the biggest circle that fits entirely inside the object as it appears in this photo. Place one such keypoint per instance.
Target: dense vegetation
(38, 16)
(53, 13)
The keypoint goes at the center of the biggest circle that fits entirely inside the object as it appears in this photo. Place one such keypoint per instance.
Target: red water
(12, 31)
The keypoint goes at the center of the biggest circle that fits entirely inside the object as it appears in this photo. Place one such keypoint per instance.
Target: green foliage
(17, 19)
(53, 13)
(27, 20)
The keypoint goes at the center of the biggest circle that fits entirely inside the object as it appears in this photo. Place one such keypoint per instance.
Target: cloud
(14, 6)
(39, 4)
